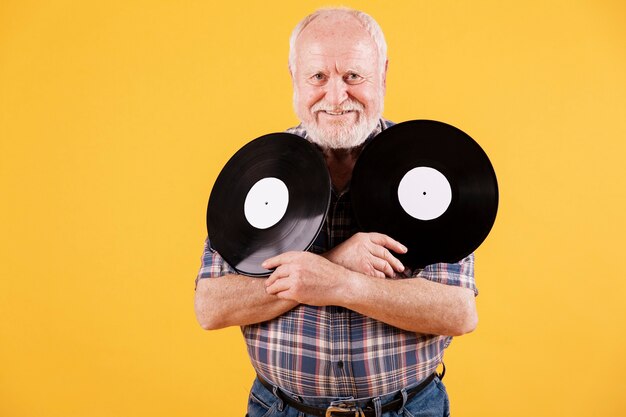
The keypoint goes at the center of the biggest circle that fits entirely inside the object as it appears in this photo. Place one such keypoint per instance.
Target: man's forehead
(326, 40)
(318, 56)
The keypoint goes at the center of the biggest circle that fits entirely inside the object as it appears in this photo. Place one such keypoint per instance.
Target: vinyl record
(428, 185)
(271, 197)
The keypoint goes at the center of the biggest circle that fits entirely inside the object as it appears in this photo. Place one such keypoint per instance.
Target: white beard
(340, 136)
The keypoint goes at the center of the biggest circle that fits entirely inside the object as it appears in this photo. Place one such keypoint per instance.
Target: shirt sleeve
(460, 274)
(212, 264)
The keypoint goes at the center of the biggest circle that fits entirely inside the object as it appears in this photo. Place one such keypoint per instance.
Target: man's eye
(353, 77)
(318, 77)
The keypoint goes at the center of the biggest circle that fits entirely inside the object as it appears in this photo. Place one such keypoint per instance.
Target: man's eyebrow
(352, 67)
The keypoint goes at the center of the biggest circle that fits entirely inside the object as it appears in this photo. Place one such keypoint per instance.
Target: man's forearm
(235, 300)
(413, 304)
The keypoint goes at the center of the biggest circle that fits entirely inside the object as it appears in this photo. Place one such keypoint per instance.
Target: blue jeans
(429, 402)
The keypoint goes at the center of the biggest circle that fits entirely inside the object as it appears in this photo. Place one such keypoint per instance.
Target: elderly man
(344, 329)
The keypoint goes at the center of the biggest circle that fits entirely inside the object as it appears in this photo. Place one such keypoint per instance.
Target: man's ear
(385, 76)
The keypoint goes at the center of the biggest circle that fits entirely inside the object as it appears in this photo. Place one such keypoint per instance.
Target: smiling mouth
(336, 113)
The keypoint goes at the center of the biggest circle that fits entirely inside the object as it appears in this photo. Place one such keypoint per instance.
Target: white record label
(266, 203)
(424, 193)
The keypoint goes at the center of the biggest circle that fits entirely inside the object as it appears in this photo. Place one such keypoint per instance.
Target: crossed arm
(358, 275)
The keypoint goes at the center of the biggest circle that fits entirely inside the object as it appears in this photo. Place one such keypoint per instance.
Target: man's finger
(277, 260)
(379, 274)
(388, 242)
(395, 262)
(278, 286)
(285, 295)
(281, 272)
(383, 267)
(383, 253)
(278, 281)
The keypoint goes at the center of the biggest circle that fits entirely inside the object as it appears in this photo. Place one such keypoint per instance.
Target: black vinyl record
(271, 197)
(428, 185)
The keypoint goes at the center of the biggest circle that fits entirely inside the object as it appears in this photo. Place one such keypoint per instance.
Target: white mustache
(348, 105)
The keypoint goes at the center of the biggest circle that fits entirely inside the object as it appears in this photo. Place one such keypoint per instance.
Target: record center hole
(424, 193)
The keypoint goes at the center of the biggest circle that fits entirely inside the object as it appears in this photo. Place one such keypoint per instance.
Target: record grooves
(428, 185)
(271, 197)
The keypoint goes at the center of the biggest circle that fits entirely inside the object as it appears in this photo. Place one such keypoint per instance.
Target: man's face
(338, 82)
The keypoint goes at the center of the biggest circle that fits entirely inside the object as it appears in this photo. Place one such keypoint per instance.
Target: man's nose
(336, 91)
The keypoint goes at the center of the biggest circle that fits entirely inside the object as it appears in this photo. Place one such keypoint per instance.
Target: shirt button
(340, 364)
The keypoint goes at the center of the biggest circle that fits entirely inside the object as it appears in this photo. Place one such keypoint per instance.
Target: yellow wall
(116, 116)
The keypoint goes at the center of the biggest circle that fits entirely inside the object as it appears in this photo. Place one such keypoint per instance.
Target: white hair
(367, 21)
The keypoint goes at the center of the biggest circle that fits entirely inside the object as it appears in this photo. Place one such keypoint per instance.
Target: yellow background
(116, 117)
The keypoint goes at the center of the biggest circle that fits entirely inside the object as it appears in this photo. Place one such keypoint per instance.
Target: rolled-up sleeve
(460, 274)
(212, 264)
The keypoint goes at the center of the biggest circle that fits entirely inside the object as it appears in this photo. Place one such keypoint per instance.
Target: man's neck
(340, 164)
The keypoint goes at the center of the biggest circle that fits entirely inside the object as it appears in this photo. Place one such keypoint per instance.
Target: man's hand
(368, 253)
(306, 278)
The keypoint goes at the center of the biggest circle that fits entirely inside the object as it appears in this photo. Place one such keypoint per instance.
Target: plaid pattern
(335, 352)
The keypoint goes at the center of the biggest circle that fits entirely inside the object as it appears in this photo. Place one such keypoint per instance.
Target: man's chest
(338, 226)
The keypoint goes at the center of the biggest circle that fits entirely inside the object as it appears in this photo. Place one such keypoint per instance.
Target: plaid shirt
(335, 352)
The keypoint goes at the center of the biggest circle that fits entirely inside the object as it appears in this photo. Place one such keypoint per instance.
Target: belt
(345, 409)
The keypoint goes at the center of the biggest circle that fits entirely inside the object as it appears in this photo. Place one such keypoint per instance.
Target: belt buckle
(343, 408)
